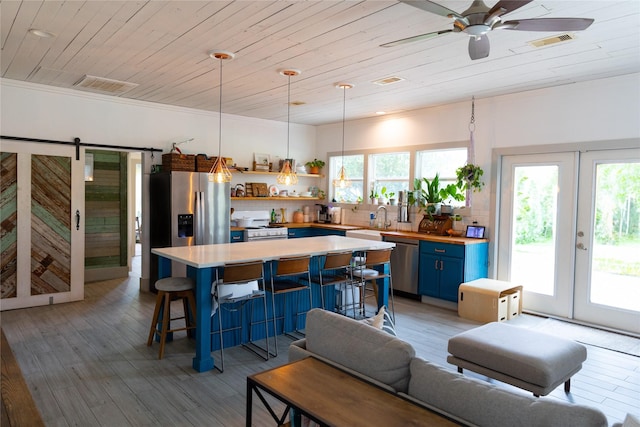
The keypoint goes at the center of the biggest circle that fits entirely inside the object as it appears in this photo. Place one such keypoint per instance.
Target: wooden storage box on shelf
(178, 162)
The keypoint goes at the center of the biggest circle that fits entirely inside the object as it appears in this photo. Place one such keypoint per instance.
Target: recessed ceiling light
(41, 33)
(380, 113)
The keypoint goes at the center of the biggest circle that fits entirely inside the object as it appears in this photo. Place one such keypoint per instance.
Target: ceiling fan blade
(546, 24)
(508, 6)
(416, 38)
(479, 47)
(432, 7)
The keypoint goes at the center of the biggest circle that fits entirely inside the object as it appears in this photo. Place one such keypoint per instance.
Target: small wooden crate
(204, 163)
(178, 162)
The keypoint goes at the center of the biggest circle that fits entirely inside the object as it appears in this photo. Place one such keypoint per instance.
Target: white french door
(535, 247)
(608, 240)
(42, 209)
(569, 232)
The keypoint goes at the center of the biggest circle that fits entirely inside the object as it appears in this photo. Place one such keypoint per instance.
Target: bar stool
(169, 289)
(337, 271)
(242, 283)
(365, 270)
(287, 279)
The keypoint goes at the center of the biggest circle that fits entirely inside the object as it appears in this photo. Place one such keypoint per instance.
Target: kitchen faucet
(386, 223)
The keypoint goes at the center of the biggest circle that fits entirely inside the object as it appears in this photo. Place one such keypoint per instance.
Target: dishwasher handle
(401, 241)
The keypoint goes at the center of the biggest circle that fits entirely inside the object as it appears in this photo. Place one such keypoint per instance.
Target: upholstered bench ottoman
(527, 359)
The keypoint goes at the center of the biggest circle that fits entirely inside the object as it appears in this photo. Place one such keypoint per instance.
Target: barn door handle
(77, 219)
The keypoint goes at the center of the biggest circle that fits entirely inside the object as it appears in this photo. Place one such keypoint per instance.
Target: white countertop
(203, 256)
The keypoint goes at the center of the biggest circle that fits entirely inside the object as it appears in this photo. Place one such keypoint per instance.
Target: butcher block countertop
(387, 233)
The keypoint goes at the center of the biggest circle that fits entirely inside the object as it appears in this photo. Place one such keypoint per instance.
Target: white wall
(38, 111)
(601, 110)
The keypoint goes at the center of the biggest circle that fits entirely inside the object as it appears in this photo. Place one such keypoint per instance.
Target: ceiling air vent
(103, 85)
(388, 80)
(552, 40)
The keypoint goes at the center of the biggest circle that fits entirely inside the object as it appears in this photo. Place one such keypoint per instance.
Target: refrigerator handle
(199, 218)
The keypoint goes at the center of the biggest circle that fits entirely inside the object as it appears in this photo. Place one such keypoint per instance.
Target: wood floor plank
(88, 361)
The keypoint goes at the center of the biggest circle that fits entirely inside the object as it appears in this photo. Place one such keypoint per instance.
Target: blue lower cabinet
(327, 232)
(295, 233)
(444, 266)
(237, 236)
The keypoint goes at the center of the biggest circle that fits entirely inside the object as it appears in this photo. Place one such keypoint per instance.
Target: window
(441, 162)
(354, 166)
(389, 173)
(394, 170)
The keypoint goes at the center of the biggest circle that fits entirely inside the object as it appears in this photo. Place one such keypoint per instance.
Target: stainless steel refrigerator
(186, 209)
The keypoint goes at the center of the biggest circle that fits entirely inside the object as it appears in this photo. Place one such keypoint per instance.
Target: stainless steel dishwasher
(404, 266)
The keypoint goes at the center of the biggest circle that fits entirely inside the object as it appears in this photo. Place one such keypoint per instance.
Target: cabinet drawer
(437, 248)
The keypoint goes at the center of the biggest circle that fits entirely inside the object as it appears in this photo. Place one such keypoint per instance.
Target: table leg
(203, 278)
(249, 409)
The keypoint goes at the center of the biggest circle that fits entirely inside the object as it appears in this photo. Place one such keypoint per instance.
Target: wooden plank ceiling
(162, 46)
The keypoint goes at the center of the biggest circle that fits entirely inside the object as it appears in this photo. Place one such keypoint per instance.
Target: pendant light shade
(287, 175)
(342, 181)
(219, 172)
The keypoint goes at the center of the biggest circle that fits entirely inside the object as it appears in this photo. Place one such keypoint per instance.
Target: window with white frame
(354, 167)
(389, 174)
(442, 162)
(393, 170)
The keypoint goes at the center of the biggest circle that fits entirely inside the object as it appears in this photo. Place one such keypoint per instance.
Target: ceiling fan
(479, 19)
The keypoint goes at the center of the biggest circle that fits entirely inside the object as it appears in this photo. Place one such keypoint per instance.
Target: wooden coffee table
(332, 397)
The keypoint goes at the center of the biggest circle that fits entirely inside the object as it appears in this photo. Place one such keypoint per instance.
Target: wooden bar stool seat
(170, 289)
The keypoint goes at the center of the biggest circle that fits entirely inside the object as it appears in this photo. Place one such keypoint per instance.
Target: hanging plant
(469, 177)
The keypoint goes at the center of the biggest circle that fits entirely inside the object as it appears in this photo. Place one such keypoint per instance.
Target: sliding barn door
(42, 234)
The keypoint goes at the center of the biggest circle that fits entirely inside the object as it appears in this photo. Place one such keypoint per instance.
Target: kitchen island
(202, 260)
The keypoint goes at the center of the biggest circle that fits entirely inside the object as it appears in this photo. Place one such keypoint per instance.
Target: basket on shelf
(204, 163)
(178, 162)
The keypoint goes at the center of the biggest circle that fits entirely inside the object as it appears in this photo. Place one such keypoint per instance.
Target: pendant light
(287, 176)
(341, 180)
(219, 172)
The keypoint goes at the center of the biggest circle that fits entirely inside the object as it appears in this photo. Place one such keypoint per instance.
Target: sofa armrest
(298, 350)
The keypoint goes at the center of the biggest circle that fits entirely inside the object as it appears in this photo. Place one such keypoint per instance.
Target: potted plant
(373, 195)
(469, 177)
(314, 166)
(387, 197)
(431, 195)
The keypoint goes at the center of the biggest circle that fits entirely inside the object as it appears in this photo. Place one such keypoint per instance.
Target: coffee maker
(323, 214)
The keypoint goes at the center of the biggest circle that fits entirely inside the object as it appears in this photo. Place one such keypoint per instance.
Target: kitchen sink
(364, 234)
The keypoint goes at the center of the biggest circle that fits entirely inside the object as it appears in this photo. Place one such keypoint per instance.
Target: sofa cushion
(360, 347)
(483, 404)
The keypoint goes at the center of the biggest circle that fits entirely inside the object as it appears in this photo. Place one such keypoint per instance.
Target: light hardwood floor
(87, 363)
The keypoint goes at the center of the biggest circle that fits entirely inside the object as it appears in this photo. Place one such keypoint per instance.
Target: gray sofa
(389, 362)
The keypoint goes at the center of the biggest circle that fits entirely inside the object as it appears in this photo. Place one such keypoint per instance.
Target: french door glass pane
(534, 228)
(615, 264)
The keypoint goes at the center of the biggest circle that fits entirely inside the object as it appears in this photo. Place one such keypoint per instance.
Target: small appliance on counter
(323, 214)
(403, 206)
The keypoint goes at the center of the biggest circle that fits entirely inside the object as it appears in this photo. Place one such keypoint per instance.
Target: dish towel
(236, 290)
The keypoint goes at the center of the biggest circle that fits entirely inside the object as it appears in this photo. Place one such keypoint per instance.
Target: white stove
(257, 227)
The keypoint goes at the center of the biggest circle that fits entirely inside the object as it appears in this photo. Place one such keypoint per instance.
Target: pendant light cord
(288, 112)
(344, 109)
(220, 114)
